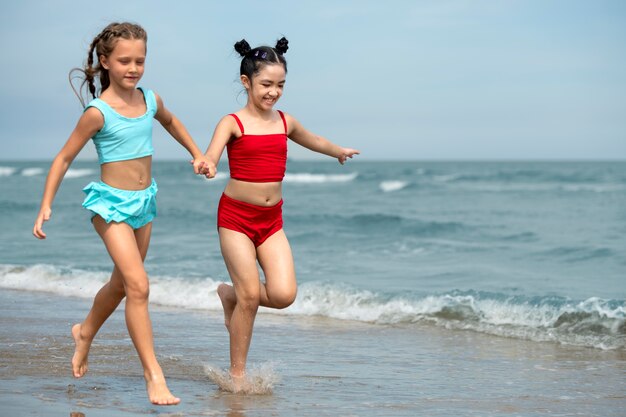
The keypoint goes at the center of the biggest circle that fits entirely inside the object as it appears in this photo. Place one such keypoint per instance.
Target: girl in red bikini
(249, 217)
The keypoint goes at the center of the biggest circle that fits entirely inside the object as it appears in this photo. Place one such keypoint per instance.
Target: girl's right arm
(224, 131)
(89, 123)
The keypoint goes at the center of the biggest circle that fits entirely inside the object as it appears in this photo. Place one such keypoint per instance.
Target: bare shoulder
(292, 123)
(227, 128)
(228, 121)
(92, 117)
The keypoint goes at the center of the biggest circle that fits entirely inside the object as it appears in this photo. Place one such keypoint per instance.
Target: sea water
(521, 250)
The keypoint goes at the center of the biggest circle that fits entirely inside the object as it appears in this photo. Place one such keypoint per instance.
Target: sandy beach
(317, 366)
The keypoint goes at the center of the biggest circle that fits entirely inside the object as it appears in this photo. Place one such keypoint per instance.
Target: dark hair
(103, 44)
(255, 59)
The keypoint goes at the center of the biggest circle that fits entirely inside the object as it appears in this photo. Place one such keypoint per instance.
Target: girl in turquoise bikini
(123, 203)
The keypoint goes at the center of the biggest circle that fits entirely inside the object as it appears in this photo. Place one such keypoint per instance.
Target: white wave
(593, 322)
(77, 173)
(389, 186)
(31, 172)
(307, 178)
(599, 327)
(168, 291)
(7, 171)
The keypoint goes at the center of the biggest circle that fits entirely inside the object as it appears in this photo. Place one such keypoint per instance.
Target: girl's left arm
(309, 140)
(201, 164)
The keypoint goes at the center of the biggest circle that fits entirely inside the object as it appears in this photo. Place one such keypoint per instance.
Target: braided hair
(253, 60)
(103, 44)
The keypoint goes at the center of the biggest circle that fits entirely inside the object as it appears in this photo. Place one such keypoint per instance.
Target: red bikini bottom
(256, 222)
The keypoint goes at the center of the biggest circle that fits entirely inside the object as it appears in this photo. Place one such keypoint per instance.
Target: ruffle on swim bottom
(136, 208)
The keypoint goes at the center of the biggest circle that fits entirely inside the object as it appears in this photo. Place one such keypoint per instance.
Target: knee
(137, 289)
(248, 300)
(282, 299)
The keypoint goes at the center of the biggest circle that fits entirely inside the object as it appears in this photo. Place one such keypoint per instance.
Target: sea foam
(593, 322)
(78, 172)
(32, 172)
(7, 171)
(389, 186)
(308, 178)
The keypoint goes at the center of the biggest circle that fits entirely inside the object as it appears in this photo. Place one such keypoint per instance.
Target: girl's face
(266, 87)
(126, 63)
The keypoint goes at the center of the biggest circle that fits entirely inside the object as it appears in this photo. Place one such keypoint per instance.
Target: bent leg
(276, 261)
(127, 249)
(240, 257)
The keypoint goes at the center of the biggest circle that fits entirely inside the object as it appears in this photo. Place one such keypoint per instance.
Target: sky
(398, 80)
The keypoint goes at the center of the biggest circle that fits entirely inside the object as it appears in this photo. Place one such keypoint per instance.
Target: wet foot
(79, 360)
(239, 383)
(158, 392)
(229, 301)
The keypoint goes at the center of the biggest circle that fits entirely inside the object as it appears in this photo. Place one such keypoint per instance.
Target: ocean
(518, 253)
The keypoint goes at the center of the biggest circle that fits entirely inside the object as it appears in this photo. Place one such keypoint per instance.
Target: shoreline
(321, 366)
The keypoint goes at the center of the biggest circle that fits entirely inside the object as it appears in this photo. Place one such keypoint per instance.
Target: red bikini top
(258, 158)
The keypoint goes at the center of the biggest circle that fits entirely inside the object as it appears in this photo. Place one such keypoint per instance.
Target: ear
(246, 82)
(103, 62)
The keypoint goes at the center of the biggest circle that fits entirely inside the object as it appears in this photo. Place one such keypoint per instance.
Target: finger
(38, 233)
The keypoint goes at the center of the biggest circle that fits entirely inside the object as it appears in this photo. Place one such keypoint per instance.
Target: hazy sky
(406, 79)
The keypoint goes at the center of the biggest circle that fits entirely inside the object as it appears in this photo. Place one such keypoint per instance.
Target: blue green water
(528, 250)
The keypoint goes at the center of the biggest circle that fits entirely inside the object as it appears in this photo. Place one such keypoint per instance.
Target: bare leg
(104, 304)
(229, 301)
(279, 290)
(241, 301)
(125, 248)
(240, 258)
(276, 260)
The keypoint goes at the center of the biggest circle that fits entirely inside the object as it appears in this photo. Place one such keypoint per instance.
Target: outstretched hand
(346, 153)
(44, 216)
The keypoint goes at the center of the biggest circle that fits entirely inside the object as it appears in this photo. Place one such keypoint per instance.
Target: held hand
(202, 166)
(345, 154)
(44, 216)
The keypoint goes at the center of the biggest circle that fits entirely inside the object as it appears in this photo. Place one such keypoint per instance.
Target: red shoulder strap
(238, 122)
(282, 116)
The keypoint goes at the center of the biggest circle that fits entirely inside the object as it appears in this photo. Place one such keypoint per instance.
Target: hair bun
(282, 45)
(242, 47)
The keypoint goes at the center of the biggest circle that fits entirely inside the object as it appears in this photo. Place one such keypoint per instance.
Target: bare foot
(239, 383)
(229, 301)
(79, 360)
(158, 392)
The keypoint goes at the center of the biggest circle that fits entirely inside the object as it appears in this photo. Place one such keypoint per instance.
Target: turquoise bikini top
(123, 138)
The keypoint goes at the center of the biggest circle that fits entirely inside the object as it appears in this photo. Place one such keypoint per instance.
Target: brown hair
(103, 44)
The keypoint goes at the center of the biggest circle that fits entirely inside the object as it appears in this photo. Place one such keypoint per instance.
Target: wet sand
(319, 367)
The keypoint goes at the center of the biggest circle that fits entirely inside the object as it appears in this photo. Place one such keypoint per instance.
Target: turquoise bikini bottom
(136, 208)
